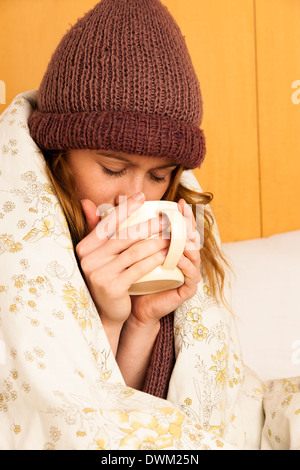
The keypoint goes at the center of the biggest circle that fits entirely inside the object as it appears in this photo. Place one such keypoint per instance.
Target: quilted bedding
(60, 386)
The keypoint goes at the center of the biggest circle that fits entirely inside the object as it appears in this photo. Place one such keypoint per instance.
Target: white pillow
(265, 298)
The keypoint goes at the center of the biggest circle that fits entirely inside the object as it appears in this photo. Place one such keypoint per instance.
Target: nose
(136, 186)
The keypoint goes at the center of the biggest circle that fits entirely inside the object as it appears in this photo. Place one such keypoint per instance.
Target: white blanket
(60, 386)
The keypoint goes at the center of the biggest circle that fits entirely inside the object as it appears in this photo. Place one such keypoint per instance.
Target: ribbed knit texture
(162, 360)
(122, 79)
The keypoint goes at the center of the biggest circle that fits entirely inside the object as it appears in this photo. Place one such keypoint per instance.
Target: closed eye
(114, 173)
(157, 179)
(122, 173)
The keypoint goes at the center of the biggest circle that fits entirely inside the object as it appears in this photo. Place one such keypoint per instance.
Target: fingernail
(138, 196)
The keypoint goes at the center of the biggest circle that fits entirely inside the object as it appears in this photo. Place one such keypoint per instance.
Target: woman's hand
(112, 264)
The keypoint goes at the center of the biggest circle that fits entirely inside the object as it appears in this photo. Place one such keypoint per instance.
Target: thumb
(90, 212)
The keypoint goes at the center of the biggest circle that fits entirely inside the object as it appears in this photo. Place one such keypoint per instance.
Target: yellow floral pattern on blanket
(60, 386)
(282, 409)
(79, 304)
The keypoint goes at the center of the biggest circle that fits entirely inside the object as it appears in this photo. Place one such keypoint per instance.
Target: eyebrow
(117, 157)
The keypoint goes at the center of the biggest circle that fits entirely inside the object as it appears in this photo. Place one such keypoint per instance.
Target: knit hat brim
(134, 133)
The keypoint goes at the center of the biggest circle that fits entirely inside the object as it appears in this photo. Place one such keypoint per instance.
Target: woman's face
(103, 176)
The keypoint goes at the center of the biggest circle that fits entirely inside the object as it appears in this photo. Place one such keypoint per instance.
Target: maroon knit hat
(122, 79)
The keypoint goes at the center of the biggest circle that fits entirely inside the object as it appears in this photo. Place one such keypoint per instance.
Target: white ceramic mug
(168, 275)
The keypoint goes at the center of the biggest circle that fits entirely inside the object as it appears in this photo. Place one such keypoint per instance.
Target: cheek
(155, 191)
(96, 188)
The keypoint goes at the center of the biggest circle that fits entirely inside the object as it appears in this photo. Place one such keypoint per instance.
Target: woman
(118, 114)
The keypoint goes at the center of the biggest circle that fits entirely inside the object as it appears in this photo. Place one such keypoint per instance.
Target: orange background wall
(247, 57)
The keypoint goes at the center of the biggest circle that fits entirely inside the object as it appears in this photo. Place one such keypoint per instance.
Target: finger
(91, 214)
(104, 254)
(188, 215)
(106, 227)
(137, 252)
(191, 272)
(121, 253)
(187, 212)
(139, 269)
(194, 257)
(193, 246)
(193, 238)
(156, 226)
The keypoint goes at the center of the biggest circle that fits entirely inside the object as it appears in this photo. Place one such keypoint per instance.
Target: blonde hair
(213, 262)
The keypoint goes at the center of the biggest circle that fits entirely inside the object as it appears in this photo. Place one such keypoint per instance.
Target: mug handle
(178, 238)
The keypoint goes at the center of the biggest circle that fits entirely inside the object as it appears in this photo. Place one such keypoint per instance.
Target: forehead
(137, 160)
